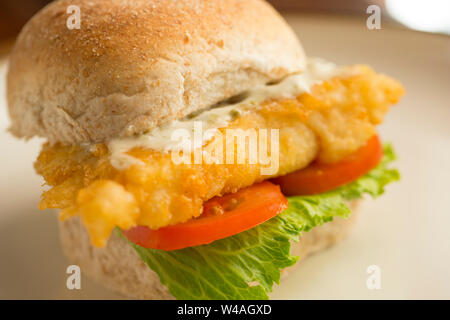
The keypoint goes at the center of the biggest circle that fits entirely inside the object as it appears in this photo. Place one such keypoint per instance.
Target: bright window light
(431, 15)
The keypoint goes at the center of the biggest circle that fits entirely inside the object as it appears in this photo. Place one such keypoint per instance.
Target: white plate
(405, 233)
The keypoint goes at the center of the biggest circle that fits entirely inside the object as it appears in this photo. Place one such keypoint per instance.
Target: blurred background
(430, 15)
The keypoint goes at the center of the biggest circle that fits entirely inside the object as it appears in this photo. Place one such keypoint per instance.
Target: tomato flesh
(222, 217)
(322, 177)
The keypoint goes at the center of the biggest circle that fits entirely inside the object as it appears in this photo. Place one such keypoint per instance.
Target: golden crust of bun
(134, 65)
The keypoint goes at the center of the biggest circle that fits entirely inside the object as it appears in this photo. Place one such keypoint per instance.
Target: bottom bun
(118, 267)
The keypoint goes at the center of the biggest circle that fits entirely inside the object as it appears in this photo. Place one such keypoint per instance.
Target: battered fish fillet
(332, 121)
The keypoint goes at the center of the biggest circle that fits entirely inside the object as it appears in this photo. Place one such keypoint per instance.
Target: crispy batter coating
(332, 121)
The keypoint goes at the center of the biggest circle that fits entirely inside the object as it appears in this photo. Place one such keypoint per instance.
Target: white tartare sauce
(220, 116)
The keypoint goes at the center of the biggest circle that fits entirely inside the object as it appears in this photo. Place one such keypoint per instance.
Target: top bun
(134, 65)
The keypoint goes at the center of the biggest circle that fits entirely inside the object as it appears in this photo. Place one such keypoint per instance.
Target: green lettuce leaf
(246, 265)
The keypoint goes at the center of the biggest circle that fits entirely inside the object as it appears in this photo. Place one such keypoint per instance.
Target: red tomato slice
(321, 177)
(222, 217)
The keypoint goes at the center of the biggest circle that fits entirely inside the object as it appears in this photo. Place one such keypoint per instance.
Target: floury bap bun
(135, 65)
